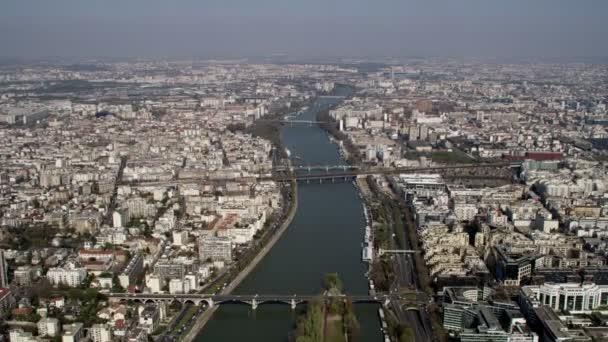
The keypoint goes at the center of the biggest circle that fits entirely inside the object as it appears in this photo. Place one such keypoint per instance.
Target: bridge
(396, 251)
(310, 168)
(331, 97)
(293, 121)
(254, 300)
(348, 174)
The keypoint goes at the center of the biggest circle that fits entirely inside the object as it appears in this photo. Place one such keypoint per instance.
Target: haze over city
(558, 29)
(303, 171)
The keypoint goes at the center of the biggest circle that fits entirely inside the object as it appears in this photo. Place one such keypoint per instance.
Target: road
(172, 333)
(112, 205)
(406, 277)
(275, 231)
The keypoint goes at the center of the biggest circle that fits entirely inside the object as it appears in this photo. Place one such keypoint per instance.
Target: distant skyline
(304, 28)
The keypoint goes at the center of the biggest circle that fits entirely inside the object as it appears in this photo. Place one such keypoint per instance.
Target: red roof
(4, 292)
(22, 311)
(119, 324)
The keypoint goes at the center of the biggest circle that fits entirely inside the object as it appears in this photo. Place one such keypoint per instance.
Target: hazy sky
(304, 28)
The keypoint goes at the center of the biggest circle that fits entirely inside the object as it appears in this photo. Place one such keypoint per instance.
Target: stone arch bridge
(252, 300)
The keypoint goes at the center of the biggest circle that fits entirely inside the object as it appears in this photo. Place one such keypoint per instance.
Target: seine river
(325, 236)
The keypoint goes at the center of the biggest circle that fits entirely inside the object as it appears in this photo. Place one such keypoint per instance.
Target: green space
(32, 236)
(331, 126)
(83, 302)
(333, 329)
(400, 331)
(382, 273)
(191, 311)
(328, 319)
(387, 214)
(159, 330)
(267, 129)
(309, 327)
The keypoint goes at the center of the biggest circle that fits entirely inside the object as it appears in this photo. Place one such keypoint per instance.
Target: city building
(48, 326)
(70, 276)
(572, 297)
(132, 271)
(18, 335)
(73, 332)
(3, 270)
(101, 333)
(512, 267)
(215, 248)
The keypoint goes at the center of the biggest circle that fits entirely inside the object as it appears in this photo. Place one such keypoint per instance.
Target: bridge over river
(286, 175)
(415, 299)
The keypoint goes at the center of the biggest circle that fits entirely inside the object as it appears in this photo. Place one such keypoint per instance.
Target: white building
(572, 297)
(3, 271)
(67, 276)
(119, 219)
(215, 248)
(48, 326)
(155, 283)
(465, 211)
(179, 286)
(101, 333)
(149, 317)
(73, 332)
(19, 335)
(180, 238)
(193, 280)
(105, 282)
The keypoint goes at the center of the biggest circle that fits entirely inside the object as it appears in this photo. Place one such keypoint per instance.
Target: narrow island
(329, 318)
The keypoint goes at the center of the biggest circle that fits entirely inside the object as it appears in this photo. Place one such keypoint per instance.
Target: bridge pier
(293, 304)
(254, 304)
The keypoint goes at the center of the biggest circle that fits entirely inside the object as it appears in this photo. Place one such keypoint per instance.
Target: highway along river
(325, 236)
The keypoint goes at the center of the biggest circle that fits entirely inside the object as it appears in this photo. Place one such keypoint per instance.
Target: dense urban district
(134, 196)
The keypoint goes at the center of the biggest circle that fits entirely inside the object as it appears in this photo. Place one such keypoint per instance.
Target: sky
(303, 28)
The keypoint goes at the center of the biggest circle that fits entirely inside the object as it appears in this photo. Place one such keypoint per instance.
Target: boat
(367, 253)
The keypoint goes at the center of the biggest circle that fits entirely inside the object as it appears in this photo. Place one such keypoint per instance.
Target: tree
(331, 281)
(351, 325)
(116, 286)
(310, 326)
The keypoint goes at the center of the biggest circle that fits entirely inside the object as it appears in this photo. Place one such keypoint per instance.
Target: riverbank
(206, 316)
(329, 216)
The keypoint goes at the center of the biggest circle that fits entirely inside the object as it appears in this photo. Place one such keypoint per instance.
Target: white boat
(367, 254)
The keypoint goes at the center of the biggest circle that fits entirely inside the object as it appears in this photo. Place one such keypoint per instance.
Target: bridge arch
(234, 301)
(278, 301)
(147, 301)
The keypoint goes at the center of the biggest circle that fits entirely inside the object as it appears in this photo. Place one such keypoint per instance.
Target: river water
(325, 236)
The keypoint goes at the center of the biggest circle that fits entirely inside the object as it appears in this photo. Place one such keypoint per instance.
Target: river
(325, 236)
